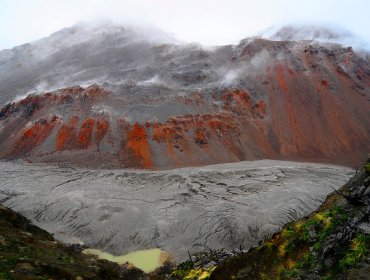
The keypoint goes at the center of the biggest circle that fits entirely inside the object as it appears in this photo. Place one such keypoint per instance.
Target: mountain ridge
(150, 105)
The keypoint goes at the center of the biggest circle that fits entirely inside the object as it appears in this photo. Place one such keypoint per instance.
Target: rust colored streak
(85, 133)
(95, 92)
(66, 135)
(201, 138)
(33, 136)
(241, 97)
(260, 108)
(165, 133)
(137, 141)
(237, 101)
(217, 125)
(101, 129)
(172, 135)
(226, 131)
(324, 83)
(281, 78)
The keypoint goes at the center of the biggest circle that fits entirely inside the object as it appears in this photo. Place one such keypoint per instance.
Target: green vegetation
(309, 235)
(359, 249)
(284, 273)
(367, 168)
(186, 271)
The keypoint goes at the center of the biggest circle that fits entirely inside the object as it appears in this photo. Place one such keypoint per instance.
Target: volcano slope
(108, 96)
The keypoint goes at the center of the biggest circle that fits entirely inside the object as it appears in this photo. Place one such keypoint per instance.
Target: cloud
(324, 33)
(155, 80)
(210, 22)
(252, 67)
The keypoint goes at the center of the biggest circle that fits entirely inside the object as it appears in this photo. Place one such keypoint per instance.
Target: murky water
(190, 209)
(146, 260)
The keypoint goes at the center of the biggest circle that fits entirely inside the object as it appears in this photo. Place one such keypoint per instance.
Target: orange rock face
(33, 136)
(85, 133)
(102, 127)
(67, 135)
(137, 141)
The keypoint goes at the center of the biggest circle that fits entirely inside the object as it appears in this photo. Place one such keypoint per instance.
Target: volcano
(116, 97)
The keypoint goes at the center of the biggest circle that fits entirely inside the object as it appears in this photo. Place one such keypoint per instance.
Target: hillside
(28, 252)
(112, 96)
(331, 243)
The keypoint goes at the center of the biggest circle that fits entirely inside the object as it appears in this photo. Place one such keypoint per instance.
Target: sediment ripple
(189, 209)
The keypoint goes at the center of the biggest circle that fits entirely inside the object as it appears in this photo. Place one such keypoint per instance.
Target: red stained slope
(310, 106)
(137, 141)
(85, 133)
(67, 135)
(33, 136)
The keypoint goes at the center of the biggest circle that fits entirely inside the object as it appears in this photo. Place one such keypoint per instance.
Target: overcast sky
(206, 21)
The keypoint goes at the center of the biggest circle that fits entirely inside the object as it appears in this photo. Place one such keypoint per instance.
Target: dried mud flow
(233, 206)
(111, 97)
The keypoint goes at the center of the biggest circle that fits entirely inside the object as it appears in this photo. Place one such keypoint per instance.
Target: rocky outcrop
(28, 252)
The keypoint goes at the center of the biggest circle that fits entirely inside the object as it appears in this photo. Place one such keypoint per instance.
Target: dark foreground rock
(28, 252)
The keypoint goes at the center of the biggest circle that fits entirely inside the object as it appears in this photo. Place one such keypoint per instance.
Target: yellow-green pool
(146, 260)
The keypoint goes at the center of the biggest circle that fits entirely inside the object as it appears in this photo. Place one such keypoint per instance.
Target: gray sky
(209, 22)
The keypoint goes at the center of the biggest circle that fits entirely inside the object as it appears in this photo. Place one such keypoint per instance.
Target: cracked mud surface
(181, 210)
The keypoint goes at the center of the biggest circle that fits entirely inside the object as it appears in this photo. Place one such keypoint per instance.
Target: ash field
(232, 206)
